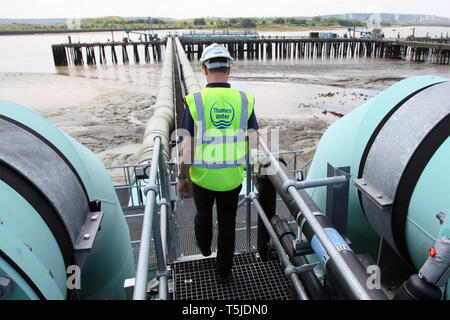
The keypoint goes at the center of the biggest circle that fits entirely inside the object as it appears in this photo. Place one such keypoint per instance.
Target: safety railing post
(295, 164)
(248, 204)
(151, 190)
(165, 185)
(158, 235)
(289, 268)
(349, 279)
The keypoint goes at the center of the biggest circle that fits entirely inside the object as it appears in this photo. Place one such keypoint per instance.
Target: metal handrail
(248, 187)
(155, 223)
(343, 268)
(289, 267)
(151, 221)
(320, 182)
(151, 190)
(160, 238)
(295, 154)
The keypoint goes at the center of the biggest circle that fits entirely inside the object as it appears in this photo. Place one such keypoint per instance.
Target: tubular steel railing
(163, 231)
(151, 190)
(125, 179)
(151, 222)
(143, 189)
(290, 187)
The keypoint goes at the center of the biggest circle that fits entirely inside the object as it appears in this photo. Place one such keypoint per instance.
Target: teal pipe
(25, 239)
(111, 259)
(343, 144)
(109, 262)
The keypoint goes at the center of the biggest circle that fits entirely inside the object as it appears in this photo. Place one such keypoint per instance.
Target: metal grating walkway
(252, 279)
(185, 225)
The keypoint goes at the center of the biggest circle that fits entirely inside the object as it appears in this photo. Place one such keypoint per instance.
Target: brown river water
(106, 107)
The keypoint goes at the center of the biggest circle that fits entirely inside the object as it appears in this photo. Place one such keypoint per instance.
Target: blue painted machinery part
(398, 148)
(62, 230)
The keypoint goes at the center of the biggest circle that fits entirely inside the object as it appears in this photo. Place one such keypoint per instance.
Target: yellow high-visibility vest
(221, 116)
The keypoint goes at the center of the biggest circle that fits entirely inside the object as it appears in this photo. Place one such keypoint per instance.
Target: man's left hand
(183, 187)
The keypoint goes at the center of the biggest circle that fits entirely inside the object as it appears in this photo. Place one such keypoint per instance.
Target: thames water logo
(222, 114)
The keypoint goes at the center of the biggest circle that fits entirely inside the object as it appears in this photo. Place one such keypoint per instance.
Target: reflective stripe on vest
(202, 139)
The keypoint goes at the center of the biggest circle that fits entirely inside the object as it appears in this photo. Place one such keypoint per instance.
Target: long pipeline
(192, 85)
(190, 80)
(156, 147)
(344, 268)
(161, 123)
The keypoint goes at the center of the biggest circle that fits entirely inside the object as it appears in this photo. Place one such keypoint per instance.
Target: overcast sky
(203, 8)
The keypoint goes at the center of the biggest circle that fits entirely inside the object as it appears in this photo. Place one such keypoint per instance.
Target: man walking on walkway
(218, 120)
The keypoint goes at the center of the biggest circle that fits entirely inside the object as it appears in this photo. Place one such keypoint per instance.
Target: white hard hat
(215, 51)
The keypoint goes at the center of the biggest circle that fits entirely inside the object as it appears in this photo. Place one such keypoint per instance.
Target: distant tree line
(319, 22)
(287, 22)
(142, 23)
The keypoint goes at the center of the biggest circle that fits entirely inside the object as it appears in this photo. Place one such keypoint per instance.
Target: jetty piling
(263, 48)
(125, 59)
(113, 55)
(72, 53)
(311, 48)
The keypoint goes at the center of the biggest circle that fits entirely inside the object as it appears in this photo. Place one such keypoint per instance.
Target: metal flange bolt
(6, 286)
(441, 217)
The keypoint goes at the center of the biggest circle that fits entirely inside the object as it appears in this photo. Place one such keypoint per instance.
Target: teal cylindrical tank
(33, 252)
(398, 148)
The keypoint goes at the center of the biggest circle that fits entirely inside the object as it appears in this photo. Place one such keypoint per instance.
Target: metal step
(252, 279)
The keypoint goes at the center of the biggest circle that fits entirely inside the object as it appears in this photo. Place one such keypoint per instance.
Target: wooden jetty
(72, 53)
(325, 48)
(261, 48)
(434, 52)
